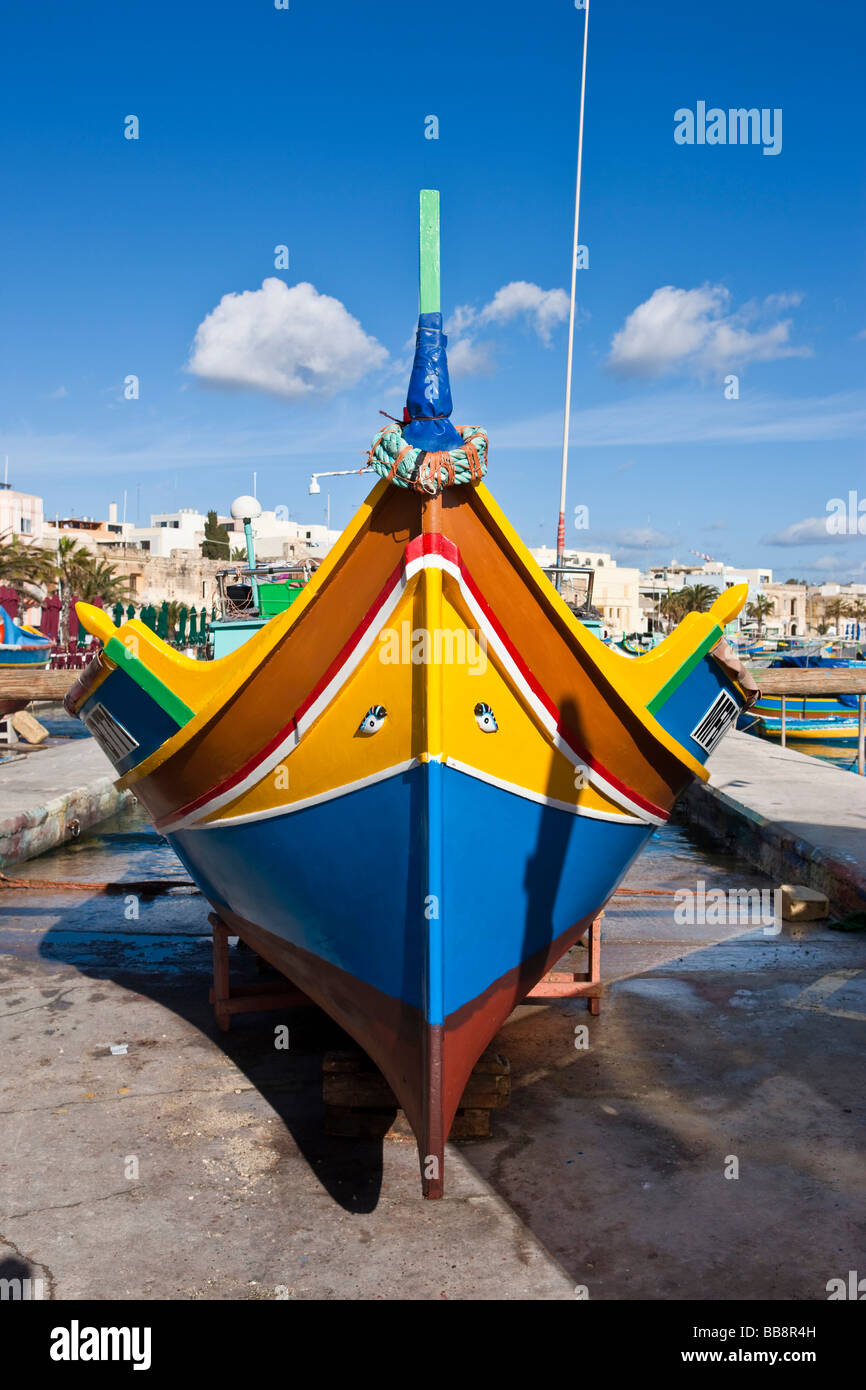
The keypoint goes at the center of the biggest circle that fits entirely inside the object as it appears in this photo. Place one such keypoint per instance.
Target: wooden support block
(28, 728)
(800, 904)
(344, 1122)
(359, 1103)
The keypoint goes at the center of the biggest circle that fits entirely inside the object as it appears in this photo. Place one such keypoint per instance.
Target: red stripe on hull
(430, 543)
(252, 763)
(427, 1067)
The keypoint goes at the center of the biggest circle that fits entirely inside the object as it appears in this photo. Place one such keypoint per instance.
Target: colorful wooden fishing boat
(636, 643)
(835, 711)
(22, 648)
(806, 734)
(414, 790)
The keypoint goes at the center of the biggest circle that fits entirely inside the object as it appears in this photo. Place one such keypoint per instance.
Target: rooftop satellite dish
(246, 508)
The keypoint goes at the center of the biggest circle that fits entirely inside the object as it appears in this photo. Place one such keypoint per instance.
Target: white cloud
(59, 393)
(812, 530)
(543, 309)
(641, 538)
(470, 358)
(463, 317)
(784, 300)
(839, 566)
(693, 330)
(290, 342)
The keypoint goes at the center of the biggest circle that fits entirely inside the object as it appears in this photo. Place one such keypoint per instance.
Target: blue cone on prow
(428, 403)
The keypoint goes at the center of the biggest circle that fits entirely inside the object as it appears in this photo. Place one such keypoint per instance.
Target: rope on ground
(145, 887)
(148, 886)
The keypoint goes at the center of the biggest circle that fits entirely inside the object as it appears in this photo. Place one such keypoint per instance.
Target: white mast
(560, 532)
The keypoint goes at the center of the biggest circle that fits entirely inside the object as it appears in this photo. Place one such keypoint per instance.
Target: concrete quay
(52, 795)
(789, 815)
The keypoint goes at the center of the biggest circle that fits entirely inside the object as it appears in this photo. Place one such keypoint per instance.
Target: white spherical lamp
(246, 508)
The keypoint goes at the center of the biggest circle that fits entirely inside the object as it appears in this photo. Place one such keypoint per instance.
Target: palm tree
(77, 571)
(697, 598)
(835, 610)
(759, 609)
(857, 611)
(23, 563)
(69, 561)
(671, 607)
(173, 610)
(102, 581)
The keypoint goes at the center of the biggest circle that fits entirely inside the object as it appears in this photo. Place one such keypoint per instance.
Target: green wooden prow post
(428, 279)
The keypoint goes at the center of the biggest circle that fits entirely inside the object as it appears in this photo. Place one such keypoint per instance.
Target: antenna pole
(560, 531)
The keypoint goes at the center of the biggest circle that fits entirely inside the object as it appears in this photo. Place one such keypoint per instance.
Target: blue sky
(306, 127)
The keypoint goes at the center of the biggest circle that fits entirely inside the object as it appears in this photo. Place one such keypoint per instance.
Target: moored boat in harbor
(22, 648)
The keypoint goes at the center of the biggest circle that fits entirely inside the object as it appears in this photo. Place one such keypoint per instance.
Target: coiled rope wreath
(424, 471)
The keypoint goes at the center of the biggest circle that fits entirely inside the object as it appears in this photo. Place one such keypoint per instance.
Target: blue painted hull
(360, 881)
(20, 659)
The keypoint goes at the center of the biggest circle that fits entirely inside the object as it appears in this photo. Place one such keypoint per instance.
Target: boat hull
(419, 954)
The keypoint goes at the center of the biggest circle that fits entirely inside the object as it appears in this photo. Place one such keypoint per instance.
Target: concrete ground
(51, 794)
(786, 813)
(186, 1163)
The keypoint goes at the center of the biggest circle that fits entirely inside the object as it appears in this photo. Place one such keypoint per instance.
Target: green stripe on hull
(687, 667)
(150, 684)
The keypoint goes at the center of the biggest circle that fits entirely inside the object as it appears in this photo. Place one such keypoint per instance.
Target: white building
(277, 538)
(615, 588)
(21, 514)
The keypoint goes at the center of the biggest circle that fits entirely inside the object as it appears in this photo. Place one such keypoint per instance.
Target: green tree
(79, 573)
(835, 610)
(215, 545)
(857, 610)
(697, 598)
(172, 618)
(100, 580)
(671, 607)
(23, 563)
(759, 610)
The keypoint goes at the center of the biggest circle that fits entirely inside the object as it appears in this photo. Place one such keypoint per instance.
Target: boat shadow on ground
(175, 972)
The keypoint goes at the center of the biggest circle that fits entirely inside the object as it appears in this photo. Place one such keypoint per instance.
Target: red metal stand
(586, 984)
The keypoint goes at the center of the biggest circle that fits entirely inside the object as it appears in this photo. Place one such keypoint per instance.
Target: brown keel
(427, 1066)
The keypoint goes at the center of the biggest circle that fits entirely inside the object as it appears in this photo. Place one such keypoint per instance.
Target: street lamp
(248, 509)
(338, 473)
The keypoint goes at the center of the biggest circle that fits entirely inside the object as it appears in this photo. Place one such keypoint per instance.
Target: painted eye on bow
(485, 718)
(373, 720)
